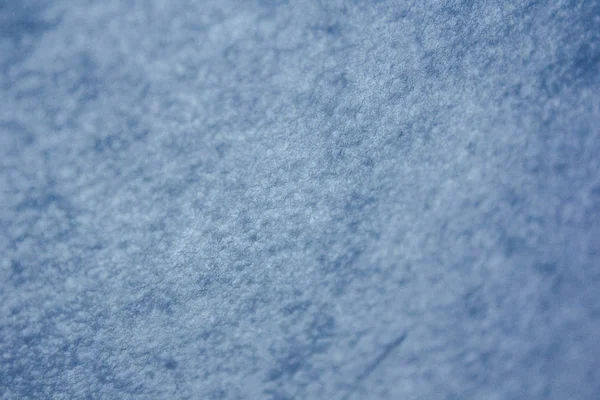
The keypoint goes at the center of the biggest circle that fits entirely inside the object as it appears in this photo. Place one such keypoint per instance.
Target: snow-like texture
(303, 200)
